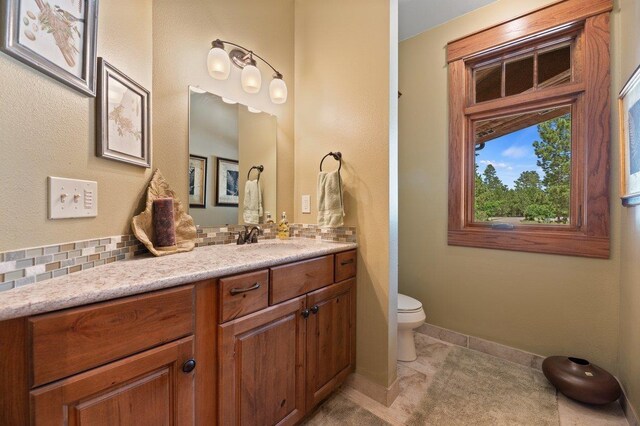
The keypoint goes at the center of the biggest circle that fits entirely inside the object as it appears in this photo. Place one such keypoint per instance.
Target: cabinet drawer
(243, 294)
(345, 265)
(75, 340)
(295, 279)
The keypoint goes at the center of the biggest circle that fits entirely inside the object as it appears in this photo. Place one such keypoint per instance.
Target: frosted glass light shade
(218, 63)
(251, 79)
(278, 91)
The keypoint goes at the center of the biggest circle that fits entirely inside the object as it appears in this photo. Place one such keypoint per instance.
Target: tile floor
(355, 408)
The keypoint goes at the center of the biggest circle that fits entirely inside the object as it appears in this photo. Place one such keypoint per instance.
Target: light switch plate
(69, 198)
(306, 204)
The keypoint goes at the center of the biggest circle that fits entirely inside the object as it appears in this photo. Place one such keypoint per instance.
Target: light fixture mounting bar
(220, 43)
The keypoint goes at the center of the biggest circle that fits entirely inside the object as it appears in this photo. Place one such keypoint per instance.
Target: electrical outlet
(69, 198)
(306, 204)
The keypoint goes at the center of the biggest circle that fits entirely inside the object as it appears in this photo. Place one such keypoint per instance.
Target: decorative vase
(578, 379)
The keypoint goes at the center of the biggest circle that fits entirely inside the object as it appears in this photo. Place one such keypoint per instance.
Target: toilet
(410, 316)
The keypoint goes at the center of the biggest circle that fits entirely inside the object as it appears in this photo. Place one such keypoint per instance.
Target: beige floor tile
(416, 376)
(431, 354)
(574, 413)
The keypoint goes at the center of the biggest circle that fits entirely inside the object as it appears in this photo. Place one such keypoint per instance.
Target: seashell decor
(142, 224)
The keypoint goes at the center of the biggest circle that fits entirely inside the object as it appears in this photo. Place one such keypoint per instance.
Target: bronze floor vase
(580, 380)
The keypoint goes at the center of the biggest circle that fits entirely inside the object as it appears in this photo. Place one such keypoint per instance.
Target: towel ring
(336, 156)
(259, 168)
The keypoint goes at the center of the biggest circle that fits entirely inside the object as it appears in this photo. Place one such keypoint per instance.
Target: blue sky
(511, 155)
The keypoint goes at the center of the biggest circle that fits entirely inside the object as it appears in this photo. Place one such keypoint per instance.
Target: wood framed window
(529, 133)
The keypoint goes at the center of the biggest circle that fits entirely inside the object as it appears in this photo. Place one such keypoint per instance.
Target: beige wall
(628, 57)
(343, 104)
(545, 304)
(182, 35)
(47, 129)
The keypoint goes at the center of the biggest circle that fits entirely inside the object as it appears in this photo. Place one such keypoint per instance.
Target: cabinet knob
(305, 313)
(314, 309)
(189, 366)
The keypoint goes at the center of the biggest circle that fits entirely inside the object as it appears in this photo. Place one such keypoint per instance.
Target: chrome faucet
(249, 236)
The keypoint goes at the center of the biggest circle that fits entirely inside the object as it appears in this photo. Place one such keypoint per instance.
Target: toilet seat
(408, 304)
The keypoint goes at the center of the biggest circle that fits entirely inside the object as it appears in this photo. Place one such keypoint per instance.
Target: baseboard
(507, 353)
(629, 411)
(377, 392)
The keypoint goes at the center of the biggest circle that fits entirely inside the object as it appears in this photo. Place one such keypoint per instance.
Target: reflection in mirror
(224, 189)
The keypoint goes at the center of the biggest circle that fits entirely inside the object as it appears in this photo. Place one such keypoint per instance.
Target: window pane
(488, 83)
(523, 168)
(518, 76)
(554, 67)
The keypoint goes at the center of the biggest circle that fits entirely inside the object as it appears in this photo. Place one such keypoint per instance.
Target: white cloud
(515, 152)
(496, 164)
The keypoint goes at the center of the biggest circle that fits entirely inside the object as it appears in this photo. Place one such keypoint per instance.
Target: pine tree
(554, 157)
(527, 191)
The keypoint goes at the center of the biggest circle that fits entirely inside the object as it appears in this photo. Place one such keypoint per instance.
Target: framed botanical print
(227, 192)
(197, 181)
(629, 111)
(57, 38)
(123, 116)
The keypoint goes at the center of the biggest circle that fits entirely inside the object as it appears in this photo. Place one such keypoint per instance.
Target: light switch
(69, 198)
(306, 204)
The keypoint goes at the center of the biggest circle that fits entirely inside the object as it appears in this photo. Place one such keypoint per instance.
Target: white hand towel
(252, 211)
(330, 203)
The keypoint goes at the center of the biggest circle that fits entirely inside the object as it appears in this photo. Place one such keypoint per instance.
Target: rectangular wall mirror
(232, 161)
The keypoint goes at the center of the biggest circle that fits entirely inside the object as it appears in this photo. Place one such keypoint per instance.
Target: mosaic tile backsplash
(28, 266)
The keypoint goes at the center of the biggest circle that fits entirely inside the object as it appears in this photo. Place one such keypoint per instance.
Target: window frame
(586, 24)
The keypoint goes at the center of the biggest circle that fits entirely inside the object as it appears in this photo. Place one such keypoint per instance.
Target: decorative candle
(164, 227)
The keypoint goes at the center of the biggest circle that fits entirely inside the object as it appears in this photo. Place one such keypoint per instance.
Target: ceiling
(417, 16)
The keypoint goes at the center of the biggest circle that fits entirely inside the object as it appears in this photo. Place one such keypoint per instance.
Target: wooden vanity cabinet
(150, 388)
(262, 366)
(259, 348)
(129, 361)
(278, 363)
(331, 339)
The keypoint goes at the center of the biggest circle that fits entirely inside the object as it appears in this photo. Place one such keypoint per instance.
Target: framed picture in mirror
(123, 116)
(56, 38)
(197, 181)
(629, 113)
(227, 182)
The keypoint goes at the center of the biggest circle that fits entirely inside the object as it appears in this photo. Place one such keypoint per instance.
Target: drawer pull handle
(235, 291)
(315, 309)
(346, 262)
(189, 366)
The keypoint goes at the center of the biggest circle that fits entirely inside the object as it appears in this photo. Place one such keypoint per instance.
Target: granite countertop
(147, 273)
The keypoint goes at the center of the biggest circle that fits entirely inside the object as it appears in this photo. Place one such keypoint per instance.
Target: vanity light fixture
(229, 101)
(253, 110)
(219, 65)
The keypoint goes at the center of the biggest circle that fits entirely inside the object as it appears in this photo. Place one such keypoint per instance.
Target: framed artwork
(56, 38)
(629, 111)
(197, 181)
(123, 116)
(227, 182)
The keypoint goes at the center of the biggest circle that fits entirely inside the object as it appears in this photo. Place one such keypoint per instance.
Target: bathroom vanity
(222, 335)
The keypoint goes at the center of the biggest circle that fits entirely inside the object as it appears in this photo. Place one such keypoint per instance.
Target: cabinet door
(262, 367)
(330, 339)
(150, 388)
